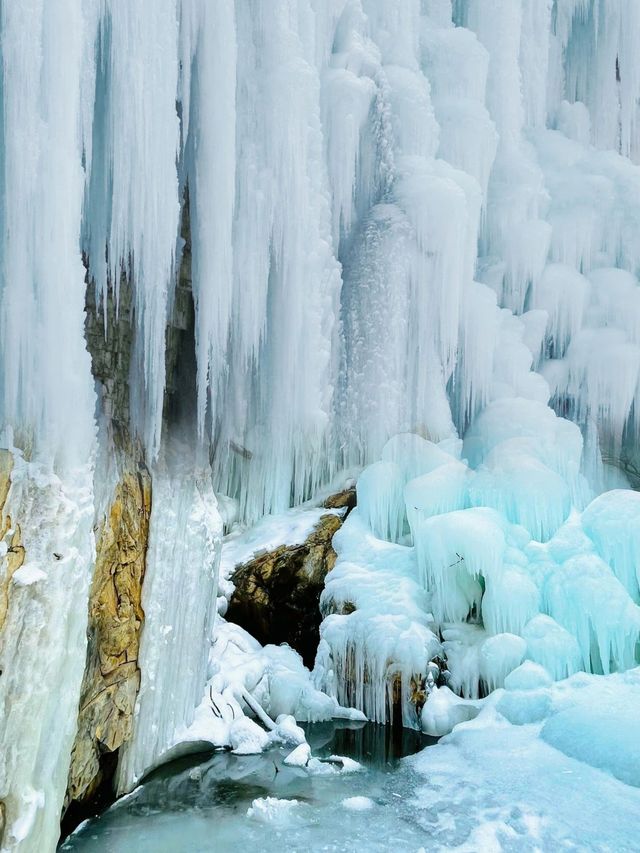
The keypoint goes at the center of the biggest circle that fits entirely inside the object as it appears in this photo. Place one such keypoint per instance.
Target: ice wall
(362, 176)
(352, 168)
(46, 412)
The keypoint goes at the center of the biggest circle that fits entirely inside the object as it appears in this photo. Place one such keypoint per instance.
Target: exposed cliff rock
(112, 677)
(277, 593)
(10, 536)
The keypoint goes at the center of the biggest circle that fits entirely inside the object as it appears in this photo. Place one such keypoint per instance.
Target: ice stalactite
(47, 395)
(132, 209)
(209, 74)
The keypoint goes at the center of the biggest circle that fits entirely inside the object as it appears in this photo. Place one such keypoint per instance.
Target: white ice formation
(484, 567)
(405, 217)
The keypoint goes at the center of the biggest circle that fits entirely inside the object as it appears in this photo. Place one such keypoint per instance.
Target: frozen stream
(190, 807)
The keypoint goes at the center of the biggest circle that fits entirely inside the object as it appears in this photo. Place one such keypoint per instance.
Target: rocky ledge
(277, 593)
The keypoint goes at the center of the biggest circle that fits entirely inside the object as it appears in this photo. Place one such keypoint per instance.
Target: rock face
(11, 561)
(112, 677)
(9, 535)
(277, 593)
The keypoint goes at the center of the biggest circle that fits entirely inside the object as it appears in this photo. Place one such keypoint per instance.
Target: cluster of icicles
(371, 183)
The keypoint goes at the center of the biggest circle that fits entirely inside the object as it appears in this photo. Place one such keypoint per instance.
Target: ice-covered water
(257, 802)
(540, 769)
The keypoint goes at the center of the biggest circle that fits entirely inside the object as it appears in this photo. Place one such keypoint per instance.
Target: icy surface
(492, 785)
(47, 613)
(499, 785)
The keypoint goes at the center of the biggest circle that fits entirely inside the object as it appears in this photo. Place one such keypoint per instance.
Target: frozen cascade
(385, 104)
(131, 205)
(185, 532)
(393, 119)
(42, 645)
(405, 225)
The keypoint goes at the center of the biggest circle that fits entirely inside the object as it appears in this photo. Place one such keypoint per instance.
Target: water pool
(224, 802)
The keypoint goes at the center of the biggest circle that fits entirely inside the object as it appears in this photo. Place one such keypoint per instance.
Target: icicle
(47, 393)
(132, 206)
(211, 196)
(272, 425)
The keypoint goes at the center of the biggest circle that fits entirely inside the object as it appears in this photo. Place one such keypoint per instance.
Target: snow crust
(530, 761)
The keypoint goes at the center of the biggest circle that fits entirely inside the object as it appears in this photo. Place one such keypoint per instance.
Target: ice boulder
(499, 656)
(612, 521)
(444, 710)
(528, 676)
(246, 737)
(552, 646)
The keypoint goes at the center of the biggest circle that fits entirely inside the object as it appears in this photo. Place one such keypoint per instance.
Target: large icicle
(271, 436)
(47, 396)
(211, 177)
(132, 207)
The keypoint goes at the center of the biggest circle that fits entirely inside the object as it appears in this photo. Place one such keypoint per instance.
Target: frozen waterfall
(300, 237)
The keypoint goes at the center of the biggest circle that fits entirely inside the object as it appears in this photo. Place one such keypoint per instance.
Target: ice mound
(588, 734)
(488, 576)
(377, 632)
(444, 710)
(612, 521)
(246, 737)
(273, 811)
(600, 726)
(528, 676)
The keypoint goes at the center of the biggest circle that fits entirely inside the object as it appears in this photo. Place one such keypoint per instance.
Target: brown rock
(277, 593)
(9, 534)
(347, 499)
(112, 677)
